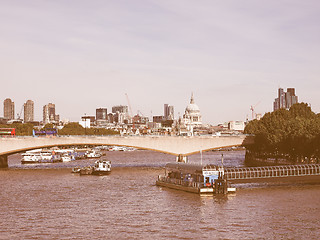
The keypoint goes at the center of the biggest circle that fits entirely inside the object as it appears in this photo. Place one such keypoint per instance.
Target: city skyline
(231, 55)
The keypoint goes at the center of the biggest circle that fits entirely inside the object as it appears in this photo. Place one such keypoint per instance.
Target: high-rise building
(168, 112)
(285, 99)
(8, 109)
(49, 113)
(101, 114)
(120, 109)
(28, 109)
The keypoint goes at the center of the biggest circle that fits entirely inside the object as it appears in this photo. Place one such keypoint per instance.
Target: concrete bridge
(175, 145)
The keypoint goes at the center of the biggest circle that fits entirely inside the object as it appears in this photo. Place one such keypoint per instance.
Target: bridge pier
(182, 158)
(3, 161)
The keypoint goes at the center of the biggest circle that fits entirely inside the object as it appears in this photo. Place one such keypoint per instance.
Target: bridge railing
(272, 171)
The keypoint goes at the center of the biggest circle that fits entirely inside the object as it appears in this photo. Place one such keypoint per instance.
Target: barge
(194, 178)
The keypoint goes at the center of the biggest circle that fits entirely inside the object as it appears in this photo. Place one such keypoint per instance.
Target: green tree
(294, 132)
(74, 128)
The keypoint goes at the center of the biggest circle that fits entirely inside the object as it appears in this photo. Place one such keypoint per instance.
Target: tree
(295, 132)
(74, 128)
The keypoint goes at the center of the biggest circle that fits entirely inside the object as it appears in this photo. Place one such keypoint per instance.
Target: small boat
(86, 170)
(93, 154)
(76, 170)
(101, 167)
(66, 158)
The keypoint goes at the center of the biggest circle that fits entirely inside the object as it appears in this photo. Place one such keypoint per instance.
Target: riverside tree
(75, 128)
(294, 133)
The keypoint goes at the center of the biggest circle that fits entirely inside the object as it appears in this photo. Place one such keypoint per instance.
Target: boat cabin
(193, 173)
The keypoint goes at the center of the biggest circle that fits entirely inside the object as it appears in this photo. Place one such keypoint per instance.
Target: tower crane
(252, 108)
(20, 113)
(130, 109)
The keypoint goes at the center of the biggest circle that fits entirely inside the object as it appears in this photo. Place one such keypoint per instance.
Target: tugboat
(101, 167)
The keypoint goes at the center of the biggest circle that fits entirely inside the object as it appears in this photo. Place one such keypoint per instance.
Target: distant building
(236, 125)
(111, 118)
(120, 117)
(121, 114)
(157, 119)
(192, 116)
(120, 109)
(8, 109)
(285, 99)
(92, 119)
(28, 111)
(49, 114)
(168, 112)
(191, 121)
(85, 123)
(101, 114)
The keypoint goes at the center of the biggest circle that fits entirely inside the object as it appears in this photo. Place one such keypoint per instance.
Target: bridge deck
(252, 174)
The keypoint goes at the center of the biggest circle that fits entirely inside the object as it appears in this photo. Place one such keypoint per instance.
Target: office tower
(101, 114)
(285, 99)
(8, 109)
(49, 113)
(168, 112)
(28, 109)
(120, 109)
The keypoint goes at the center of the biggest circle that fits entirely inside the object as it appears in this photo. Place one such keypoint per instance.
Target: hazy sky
(82, 55)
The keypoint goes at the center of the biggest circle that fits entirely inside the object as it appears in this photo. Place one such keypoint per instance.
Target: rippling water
(47, 201)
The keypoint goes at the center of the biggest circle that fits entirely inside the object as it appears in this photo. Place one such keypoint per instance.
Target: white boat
(101, 167)
(93, 154)
(32, 156)
(66, 158)
(40, 156)
(48, 156)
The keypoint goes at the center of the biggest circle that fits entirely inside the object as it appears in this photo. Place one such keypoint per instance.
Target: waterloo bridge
(175, 145)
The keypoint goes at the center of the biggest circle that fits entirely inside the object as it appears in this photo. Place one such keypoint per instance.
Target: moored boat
(101, 167)
(40, 156)
(194, 178)
(76, 170)
(93, 154)
(86, 170)
(32, 156)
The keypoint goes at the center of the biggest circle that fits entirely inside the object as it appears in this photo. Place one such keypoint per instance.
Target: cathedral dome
(192, 107)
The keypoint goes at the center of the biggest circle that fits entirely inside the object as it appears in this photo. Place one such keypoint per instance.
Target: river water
(47, 201)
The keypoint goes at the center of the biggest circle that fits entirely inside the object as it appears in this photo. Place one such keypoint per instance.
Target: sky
(82, 55)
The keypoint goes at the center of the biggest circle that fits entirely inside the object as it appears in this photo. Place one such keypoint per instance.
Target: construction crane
(130, 109)
(20, 113)
(252, 108)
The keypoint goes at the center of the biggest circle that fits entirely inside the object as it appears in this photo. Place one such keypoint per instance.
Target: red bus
(7, 131)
